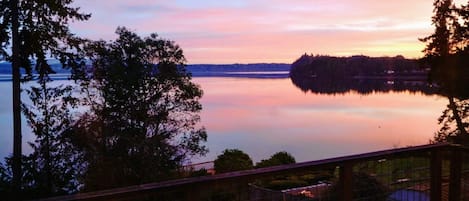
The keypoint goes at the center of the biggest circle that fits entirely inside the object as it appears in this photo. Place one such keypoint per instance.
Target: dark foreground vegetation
(131, 116)
(436, 172)
(140, 122)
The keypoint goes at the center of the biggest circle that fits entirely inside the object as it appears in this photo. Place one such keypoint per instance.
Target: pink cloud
(268, 30)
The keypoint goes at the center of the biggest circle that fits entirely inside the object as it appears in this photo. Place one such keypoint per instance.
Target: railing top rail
(250, 173)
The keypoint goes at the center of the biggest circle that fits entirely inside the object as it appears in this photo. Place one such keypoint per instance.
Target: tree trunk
(459, 123)
(17, 172)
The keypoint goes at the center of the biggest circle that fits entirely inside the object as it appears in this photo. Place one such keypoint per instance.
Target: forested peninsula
(363, 74)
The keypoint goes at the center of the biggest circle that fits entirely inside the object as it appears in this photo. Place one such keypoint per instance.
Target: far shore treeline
(317, 74)
(358, 67)
(362, 74)
(270, 70)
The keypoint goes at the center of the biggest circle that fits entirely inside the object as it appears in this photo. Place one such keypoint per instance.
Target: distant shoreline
(258, 70)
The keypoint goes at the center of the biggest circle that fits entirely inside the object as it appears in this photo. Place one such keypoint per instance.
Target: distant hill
(258, 70)
(5, 68)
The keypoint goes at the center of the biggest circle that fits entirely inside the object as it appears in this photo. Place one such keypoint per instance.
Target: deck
(435, 172)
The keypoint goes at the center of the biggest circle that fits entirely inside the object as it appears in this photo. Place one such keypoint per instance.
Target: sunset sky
(251, 31)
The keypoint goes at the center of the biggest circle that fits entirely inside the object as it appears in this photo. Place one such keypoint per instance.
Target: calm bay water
(263, 116)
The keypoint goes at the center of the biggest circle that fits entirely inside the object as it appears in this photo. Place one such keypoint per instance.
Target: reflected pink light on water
(262, 117)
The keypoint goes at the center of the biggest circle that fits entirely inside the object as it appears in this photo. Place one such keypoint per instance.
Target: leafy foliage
(55, 166)
(56, 163)
(447, 54)
(39, 30)
(443, 41)
(143, 119)
(232, 160)
(43, 33)
(279, 158)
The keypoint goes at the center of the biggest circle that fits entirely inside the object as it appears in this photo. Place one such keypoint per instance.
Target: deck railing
(428, 172)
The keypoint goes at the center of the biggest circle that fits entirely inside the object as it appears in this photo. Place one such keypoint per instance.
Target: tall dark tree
(143, 119)
(36, 30)
(447, 54)
(55, 165)
(441, 42)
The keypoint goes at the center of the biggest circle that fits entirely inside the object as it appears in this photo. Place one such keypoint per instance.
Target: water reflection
(454, 122)
(264, 116)
(454, 119)
(327, 85)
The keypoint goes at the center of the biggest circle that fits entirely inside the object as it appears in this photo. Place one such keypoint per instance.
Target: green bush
(279, 158)
(232, 160)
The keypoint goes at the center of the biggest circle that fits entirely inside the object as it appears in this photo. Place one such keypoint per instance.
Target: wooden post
(192, 192)
(243, 189)
(346, 182)
(455, 175)
(435, 175)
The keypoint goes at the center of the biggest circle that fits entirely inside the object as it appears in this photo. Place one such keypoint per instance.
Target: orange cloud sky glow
(249, 31)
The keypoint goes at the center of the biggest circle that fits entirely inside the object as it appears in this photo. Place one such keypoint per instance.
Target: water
(264, 116)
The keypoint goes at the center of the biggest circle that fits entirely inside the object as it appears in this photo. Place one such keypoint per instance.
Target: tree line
(362, 74)
(131, 115)
(330, 67)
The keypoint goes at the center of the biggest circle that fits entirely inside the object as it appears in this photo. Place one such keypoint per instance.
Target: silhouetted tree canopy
(354, 67)
(232, 160)
(443, 41)
(447, 54)
(43, 32)
(34, 31)
(55, 166)
(279, 158)
(143, 118)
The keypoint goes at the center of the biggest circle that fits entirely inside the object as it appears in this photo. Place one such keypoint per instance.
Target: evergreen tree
(56, 164)
(442, 41)
(447, 54)
(37, 30)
